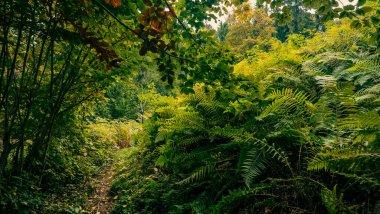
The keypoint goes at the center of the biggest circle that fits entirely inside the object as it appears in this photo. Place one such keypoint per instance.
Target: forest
(190, 106)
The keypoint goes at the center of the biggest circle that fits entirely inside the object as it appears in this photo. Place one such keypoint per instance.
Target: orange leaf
(115, 3)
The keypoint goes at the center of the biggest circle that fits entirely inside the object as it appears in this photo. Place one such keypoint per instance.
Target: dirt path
(100, 202)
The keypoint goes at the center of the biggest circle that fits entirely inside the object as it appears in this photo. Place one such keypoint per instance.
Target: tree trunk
(5, 153)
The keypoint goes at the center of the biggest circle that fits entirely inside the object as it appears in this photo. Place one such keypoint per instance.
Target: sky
(230, 9)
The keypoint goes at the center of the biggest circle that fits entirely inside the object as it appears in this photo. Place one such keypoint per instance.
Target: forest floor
(100, 202)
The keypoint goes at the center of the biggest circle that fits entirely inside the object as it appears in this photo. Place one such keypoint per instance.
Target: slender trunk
(18, 163)
(46, 149)
(4, 157)
(7, 146)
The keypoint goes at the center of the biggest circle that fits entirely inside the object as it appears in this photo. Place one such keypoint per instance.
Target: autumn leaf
(115, 3)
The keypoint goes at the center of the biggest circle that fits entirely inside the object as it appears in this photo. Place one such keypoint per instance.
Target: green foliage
(222, 31)
(121, 103)
(290, 128)
(253, 165)
(72, 161)
(293, 128)
(363, 13)
(301, 22)
(247, 28)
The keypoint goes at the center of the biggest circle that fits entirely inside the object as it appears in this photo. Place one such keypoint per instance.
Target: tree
(222, 31)
(302, 21)
(248, 27)
(363, 12)
(46, 71)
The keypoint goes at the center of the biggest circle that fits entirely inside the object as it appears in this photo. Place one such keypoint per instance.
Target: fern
(237, 196)
(369, 180)
(199, 174)
(312, 68)
(188, 120)
(253, 165)
(366, 120)
(334, 203)
(188, 141)
(184, 121)
(225, 132)
(330, 200)
(286, 100)
(342, 160)
(271, 150)
(326, 82)
(195, 154)
(200, 204)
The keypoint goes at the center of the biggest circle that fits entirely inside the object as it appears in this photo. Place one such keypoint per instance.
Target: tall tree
(222, 31)
(247, 27)
(363, 12)
(302, 21)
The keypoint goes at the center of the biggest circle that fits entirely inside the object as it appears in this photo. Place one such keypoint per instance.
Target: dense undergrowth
(297, 132)
(73, 163)
(276, 111)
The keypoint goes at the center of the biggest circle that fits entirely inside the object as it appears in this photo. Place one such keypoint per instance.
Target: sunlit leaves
(248, 27)
(361, 12)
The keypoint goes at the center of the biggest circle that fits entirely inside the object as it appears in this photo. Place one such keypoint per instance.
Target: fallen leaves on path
(100, 202)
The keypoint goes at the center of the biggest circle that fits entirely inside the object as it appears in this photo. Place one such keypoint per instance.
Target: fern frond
(313, 68)
(191, 140)
(200, 204)
(163, 134)
(237, 196)
(184, 121)
(330, 200)
(253, 165)
(199, 174)
(366, 120)
(287, 100)
(279, 93)
(367, 63)
(271, 150)
(371, 181)
(197, 154)
(326, 82)
(286, 74)
(211, 107)
(225, 132)
(369, 94)
(341, 160)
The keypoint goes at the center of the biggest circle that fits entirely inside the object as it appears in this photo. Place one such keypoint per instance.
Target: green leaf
(375, 20)
(367, 9)
(361, 2)
(140, 4)
(321, 9)
(360, 12)
(356, 24)
(349, 7)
